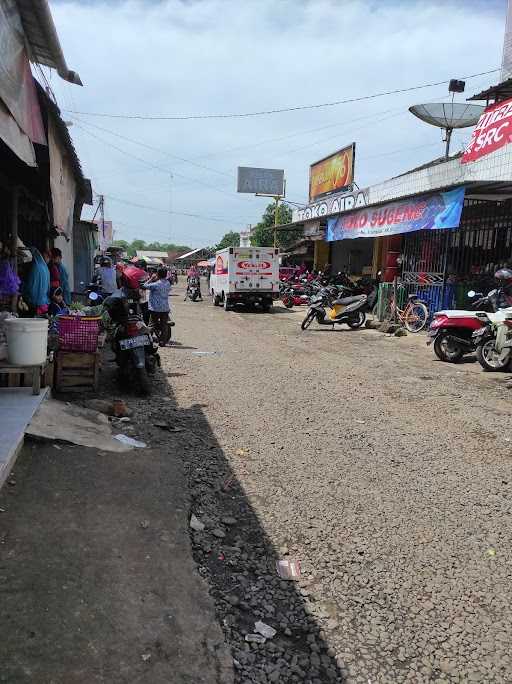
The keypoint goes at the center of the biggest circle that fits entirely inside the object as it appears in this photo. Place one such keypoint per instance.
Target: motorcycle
(493, 341)
(298, 293)
(328, 309)
(454, 332)
(451, 331)
(136, 354)
(94, 294)
(193, 290)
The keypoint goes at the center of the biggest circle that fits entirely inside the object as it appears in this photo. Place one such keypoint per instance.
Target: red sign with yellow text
(334, 173)
(493, 131)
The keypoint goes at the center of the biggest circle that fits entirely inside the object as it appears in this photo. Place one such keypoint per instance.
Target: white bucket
(27, 340)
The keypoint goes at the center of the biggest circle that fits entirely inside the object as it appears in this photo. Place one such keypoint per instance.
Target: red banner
(493, 130)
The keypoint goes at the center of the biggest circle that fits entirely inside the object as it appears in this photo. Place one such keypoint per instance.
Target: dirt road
(387, 474)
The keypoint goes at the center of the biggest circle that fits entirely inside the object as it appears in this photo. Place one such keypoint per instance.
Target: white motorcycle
(494, 341)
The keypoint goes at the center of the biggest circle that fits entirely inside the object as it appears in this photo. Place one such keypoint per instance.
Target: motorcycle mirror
(471, 293)
(93, 296)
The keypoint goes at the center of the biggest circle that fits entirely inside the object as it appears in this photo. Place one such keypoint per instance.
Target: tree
(230, 239)
(262, 234)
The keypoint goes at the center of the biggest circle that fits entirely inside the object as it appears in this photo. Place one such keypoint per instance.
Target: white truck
(245, 275)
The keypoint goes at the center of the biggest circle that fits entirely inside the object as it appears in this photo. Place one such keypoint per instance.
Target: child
(57, 305)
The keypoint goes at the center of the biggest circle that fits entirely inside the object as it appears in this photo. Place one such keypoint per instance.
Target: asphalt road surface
(386, 473)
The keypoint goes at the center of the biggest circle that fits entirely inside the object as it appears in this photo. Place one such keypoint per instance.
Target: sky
(190, 57)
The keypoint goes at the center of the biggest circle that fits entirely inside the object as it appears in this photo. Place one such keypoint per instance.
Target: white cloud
(214, 56)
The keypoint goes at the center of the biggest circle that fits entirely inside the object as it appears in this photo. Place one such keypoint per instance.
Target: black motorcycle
(329, 309)
(135, 351)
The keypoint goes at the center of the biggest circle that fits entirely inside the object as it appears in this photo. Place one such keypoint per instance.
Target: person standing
(107, 276)
(58, 274)
(159, 290)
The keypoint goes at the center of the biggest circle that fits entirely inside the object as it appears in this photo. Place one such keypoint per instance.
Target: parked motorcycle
(493, 341)
(94, 294)
(328, 309)
(135, 351)
(451, 331)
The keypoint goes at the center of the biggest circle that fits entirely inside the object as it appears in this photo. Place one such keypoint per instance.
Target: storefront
(441, 229)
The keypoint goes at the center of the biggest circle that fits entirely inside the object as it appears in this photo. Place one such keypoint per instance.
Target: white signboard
(260, 181)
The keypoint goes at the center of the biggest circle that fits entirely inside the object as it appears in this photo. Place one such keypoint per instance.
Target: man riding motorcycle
(193, 281)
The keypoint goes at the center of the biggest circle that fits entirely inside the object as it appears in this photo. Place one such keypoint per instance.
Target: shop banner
(493, 131)
(429, 212)
(337, 203)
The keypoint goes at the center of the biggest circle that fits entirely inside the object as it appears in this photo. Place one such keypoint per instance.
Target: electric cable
(174, 117)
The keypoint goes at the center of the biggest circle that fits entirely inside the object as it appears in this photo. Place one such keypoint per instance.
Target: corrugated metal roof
(151, 254)
(189, 254)
(42, 39)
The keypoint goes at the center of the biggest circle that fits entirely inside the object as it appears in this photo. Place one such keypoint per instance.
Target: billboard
(333, 173)
(493, 130)
(429, 212)
(260, 181)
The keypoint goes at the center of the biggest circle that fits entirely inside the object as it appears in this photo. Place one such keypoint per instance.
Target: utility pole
(102, 218)
(170, 207)
(276, 219)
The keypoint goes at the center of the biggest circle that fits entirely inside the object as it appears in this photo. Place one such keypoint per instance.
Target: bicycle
(413, 316)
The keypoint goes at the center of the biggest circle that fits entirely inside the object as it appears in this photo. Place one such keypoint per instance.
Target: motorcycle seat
(349, 300)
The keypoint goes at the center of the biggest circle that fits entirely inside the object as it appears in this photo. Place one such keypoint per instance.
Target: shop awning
(42, 39)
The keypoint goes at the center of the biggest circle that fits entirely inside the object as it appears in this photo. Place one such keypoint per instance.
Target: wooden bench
(15, 372)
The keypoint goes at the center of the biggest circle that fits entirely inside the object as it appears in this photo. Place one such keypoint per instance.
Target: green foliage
(132, 247)
(230, 239)
(262, 234)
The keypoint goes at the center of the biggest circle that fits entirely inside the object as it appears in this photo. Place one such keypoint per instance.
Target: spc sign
(493, 131)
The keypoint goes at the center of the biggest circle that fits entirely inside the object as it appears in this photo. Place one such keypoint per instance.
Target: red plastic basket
(78, 333)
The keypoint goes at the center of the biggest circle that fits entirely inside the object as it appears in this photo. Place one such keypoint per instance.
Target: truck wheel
(216, 300)
(227, 303)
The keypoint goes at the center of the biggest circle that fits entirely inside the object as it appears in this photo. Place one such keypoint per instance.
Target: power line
(166, 211)
(277, 111)
(160, 168)
(155, 149)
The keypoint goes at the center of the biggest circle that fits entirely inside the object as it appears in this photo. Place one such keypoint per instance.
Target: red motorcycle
(451, 331)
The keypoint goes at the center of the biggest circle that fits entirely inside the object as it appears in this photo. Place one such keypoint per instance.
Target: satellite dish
(448, 115)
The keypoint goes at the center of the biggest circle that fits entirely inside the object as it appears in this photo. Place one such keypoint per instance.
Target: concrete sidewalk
(97, 579)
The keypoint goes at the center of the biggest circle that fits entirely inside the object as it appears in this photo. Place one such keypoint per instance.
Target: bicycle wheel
(416, 317)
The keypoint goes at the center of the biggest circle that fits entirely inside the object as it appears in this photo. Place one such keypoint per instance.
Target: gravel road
(385, 472)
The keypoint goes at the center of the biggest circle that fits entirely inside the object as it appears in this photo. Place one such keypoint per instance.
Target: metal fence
(442, 266)
(433, 295)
